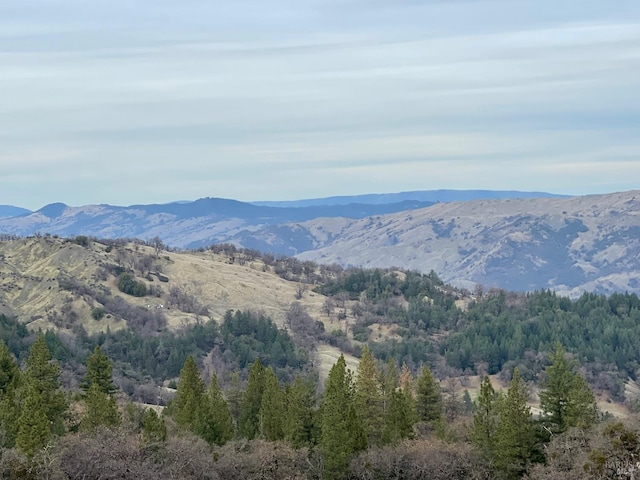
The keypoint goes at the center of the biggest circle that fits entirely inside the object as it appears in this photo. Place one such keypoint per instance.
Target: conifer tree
(515, 435)
(189, 396)
(368, 398)
(342, 432)
(9, 370)
(99, 372)
(9, 409)
(298, 424)
(154, 429)
(101, 409)
(214, 422)
(566, 399)
(249, 422)
(235, 397)
(272, 408)
(43, 376)
(428, 397)
(34, 428)
(485, 421)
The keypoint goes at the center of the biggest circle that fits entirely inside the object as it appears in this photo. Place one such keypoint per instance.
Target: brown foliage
(261, 460)
(418, 460)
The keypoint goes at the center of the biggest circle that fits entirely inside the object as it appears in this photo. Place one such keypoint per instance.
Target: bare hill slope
(582, 243)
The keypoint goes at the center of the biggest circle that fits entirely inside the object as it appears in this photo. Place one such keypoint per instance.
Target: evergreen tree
(368, 398)
(44, 377)
(9, 370)
(154, 429)
(298, 421)
(34, 428)
(99, 372)
(101, 409)
(214, 422)
(9, 409)
(235, 397)
(399, 417)
(485, 421)
(342, 432)
(566, 400)
(429, 399)
(189, 396)
(582, 410)
(249, 423)
(515, 435)
(272, 408)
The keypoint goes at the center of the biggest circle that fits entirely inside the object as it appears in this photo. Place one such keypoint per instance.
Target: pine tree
(9, 408)
(235, 397)
(485, 421)
(9, 370)
(249, 423)
(34, 429)
(566, 399)
(298, 421)
(99, 372)
(272, 408)
(44, 376)
(189, 396)
(154, 429)
(368, 398)
(214, 422)
(342, 432)
(101, 409)
(429, 399)
(515, 435)
(582, 410)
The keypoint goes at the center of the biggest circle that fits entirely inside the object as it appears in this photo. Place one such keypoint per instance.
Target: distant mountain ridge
(419, 195)
(8, 211)
(571, 245)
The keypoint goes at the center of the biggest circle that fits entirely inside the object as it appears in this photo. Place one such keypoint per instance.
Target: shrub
(126, 284)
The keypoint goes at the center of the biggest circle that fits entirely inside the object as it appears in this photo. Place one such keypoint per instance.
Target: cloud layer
(150, 101)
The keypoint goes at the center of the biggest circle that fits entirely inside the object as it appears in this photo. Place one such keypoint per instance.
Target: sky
(154, 101)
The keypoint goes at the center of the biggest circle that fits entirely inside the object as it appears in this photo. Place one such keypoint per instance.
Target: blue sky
(127, 102)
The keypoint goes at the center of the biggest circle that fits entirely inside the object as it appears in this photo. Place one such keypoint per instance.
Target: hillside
(53, 283)
(572, 245)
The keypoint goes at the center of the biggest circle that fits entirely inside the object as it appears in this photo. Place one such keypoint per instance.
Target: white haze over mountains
(145, 101)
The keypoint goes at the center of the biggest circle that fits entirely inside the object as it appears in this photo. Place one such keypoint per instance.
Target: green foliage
(515, 434)
(368, 399)
(342, 431)
(43, 375)
(14, 334)
(249, 421)
(154, 429)
(272, 408)
(214, 422)
(81, 240)
(566, 400)
(102, 410)
(485, 421)
(97, 313)
(99, 389)
(251, 336)
(298, 421)
(127, 284)
(34, 429)
(428, 397)
(99, 372)
(189, 397)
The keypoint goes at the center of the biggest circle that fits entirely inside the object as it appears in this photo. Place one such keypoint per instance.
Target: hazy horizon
(149, 102)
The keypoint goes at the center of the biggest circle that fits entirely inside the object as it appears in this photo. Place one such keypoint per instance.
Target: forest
(137, 400)
(375, 423)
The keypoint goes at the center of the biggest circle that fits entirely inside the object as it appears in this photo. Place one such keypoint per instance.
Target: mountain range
(513, 240)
